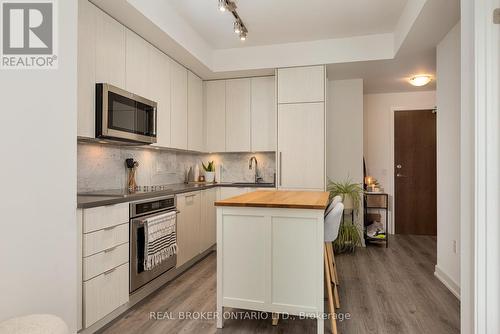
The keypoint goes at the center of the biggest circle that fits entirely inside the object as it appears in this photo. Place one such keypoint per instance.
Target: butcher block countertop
(279, 199)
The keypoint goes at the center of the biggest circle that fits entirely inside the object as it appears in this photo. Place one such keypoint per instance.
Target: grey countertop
(101, 198)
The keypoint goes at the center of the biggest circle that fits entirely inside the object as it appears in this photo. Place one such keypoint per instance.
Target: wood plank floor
(383, 290)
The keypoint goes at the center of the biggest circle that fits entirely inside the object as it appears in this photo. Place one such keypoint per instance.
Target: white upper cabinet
(179, 100)
(110, 51)
(159, 90)
(263, 114)
(87, 21)
(238, 120)
(301, 84)
(195, 113)
(301, 146)
(215, 104)
(137, 65)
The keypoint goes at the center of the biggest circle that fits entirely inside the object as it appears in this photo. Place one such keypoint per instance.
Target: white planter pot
(209, 177)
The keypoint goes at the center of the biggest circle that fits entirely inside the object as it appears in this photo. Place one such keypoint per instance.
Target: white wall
(344, 131)
(378, 123)
(38, 201)
(448, 160)
(344, 146)
(468, 295)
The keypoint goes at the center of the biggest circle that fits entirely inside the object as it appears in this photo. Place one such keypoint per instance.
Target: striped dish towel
(160, 239)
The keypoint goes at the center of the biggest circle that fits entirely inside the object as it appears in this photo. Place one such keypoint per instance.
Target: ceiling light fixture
(238, 26)
(420, 80)
(222, 5)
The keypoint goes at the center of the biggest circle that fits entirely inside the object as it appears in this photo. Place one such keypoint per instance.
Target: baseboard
(447, 281)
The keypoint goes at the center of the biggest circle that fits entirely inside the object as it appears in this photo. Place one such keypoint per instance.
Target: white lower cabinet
(188, 226)
(104, 293)
(208, 219)
(105, 260)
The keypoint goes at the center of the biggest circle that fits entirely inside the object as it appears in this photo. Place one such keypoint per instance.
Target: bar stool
(332, 225)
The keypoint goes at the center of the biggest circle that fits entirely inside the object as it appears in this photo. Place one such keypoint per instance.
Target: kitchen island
(270, 253)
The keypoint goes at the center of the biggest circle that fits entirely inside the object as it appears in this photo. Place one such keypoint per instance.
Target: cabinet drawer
(105, 216)
(110, 258)
(104, 293)
(99, 241)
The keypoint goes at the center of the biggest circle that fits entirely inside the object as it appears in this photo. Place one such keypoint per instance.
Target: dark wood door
(415, 172)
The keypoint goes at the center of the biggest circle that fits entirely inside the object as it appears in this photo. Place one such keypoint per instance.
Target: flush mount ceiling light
(239, 26)
(420, 80)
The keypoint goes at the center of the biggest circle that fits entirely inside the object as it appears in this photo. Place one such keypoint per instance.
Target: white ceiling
(384, 76)
(284, 21)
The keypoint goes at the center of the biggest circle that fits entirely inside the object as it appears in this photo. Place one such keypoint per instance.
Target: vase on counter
(131, 165)
(209, 177)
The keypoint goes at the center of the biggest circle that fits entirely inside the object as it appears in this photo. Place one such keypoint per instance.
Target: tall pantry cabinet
(301, 128)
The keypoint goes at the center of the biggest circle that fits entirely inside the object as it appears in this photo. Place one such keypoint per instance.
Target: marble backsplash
(102, 166)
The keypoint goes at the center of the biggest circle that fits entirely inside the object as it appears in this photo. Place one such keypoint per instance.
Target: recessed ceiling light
(420, 80)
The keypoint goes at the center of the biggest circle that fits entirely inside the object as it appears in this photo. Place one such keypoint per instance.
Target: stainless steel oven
(140, 213)
(121, 115)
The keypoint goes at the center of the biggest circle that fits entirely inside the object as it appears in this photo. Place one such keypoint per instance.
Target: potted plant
(209, 170)
(349, 235)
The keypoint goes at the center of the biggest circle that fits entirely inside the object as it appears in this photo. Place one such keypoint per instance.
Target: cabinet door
(195, 113)
(137, 65)
(215, 103)
(301, 84)
(209, 219)
(301, 140)
(238, 101)
(228, 192)
(87, 20)
(179, 100)
(159, 86)
(110, 51)
(263, 114)
(188, 226)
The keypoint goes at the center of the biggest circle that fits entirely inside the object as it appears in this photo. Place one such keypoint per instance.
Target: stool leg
(337, 281)
(331, 308)
(331, 270)
(276, 318)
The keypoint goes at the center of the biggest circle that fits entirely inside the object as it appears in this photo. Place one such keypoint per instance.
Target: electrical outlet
(454, 246)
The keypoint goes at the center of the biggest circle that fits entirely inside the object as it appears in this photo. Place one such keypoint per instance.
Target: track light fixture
(238, 26)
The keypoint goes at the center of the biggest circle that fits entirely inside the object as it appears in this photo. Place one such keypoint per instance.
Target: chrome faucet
(257, 177)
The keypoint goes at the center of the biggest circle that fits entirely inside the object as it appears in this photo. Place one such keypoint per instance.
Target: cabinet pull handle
(280, 167)
(110, 249)
(109, 228)
(109, 271)
(189, 196)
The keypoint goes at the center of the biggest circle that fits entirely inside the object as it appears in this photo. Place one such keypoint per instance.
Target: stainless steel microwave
(124, 116)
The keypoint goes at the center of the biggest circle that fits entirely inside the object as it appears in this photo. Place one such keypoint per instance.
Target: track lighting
(238, 26)
(222, 5)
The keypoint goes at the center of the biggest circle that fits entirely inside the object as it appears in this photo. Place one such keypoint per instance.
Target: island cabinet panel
(270, 260)
(243, 270)
(287, 234)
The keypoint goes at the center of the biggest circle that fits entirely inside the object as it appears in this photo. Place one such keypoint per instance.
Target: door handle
(280, 167)
(400, 175)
